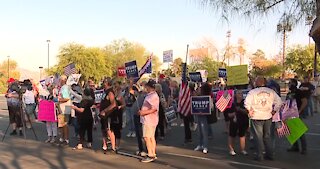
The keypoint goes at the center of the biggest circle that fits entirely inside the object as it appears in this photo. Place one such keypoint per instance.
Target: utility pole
(48, 41)
(228, 46)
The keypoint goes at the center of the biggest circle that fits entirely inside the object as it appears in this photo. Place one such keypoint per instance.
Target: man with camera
(13, 103)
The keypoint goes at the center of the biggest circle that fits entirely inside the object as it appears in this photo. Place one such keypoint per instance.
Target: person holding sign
(239, 124)
(262, 103)
(108, 106)
(149, 119)
(205, 90)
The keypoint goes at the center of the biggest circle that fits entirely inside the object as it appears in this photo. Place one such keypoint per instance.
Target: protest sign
(237, 75)
(132, 69)
(195, 76)
(98, 94)
(297, 129)
(204, 75)
(170, 114)
(201, 105)
(122, 72)
(167, 56)
(222, 72)
(73, 79)
(47, 111)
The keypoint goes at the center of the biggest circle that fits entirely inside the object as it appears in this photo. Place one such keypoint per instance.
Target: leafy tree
(89, 61)
(14, 73)
(176, 66)
(300, 60)
(241, 49)
(261, 66)
(207, 64)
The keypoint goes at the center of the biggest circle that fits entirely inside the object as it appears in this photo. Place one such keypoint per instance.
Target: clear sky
(157, 24)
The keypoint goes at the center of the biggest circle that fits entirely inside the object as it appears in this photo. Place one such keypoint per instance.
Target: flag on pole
(147, 67)
(70, 69)
(184, 104)
(223, 102)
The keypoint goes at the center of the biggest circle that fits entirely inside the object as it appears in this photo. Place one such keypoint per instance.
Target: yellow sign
(237, 75)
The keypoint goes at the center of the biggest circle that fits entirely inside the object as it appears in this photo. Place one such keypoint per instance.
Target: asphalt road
(16, 152)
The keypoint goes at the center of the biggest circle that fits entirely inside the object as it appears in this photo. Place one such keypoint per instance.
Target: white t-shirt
(29, 97)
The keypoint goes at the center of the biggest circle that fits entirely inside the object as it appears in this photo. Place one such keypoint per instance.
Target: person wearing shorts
(239, 123)
(149, 119)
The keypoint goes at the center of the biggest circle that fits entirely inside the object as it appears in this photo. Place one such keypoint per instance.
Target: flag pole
(187, 53)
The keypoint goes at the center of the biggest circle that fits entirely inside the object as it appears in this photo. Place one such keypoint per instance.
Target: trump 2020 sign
(201, 105)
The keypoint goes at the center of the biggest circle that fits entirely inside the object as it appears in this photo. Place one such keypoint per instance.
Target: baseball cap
(151, 83)
(162, 76)
(11, 80)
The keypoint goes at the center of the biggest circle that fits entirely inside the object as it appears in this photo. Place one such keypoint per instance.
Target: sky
(158, 25)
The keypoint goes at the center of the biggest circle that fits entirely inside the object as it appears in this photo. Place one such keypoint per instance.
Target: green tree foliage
(300, 60)
(261, 66)
(295, 10)
(14, 73)
(176, 66)
(207, 64)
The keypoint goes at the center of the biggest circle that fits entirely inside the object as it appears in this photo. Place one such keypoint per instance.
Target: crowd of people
(141, 108)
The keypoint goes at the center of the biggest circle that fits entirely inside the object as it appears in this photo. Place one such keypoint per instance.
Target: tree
(14, 73)
(207, 64)
(241, 49)
(89, 61)
(261, 66)
(176, 66)
(300, 60)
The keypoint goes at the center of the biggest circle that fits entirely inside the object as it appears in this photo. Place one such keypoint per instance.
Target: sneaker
(129, 134)
(174, 124)
(198, 148)
(48, 140)
(89, 145)
(13, 133)
(232, 153)
(244, 153)
(78, 147)
(147, 159)
(61, 139)
(205, 151)
(133, 134)
(53, 140)
(194, 127)
(181, 125)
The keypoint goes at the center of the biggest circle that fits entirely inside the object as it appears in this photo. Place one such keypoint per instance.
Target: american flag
(223, 102)
(147, 67)
(70, 69)
(184, 104)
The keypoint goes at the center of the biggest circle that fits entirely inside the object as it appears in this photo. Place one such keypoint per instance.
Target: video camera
(21, 86)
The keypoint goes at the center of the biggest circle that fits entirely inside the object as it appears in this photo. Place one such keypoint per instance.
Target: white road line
(313, 134)
(233, 162)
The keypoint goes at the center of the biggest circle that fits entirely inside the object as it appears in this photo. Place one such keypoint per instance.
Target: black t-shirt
(86, 114)
(309, 90)
(105, 102)
(242, 116)
(298, 95)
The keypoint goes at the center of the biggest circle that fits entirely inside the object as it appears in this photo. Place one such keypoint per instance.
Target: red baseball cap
(162, 76)
(11, 80)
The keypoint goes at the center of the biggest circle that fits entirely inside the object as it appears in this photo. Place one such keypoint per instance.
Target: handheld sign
(170, 114)
(237, 75)
(201, 105)
(122, 72)
(167, 56)
(220, 94)
(73, 79)
(98, 95)
(47, 111)
(222, 72)
(132, 69)
(195, 76)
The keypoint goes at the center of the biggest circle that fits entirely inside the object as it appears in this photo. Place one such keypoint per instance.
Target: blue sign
(132, 69)
(201, 105)
(170, 114)
(195, 76)
(222, 72)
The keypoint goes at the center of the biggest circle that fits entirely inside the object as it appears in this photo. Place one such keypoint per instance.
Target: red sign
(122, 72)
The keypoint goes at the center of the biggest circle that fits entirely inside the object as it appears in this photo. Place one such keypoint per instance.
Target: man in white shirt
(29, 100)
(262, 103)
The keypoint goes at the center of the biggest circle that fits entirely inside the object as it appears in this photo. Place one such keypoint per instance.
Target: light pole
(40, 70)
(8, 67)
(284, 26)
(48, 41)
(228, 46)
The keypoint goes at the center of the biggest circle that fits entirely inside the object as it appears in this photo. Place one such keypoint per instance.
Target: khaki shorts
(148, 131)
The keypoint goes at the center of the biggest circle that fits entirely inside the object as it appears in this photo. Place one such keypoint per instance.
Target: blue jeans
(30, 110)
(261, 134)
(203, 131)
(138, 129)
(76, 125)
(130, 120)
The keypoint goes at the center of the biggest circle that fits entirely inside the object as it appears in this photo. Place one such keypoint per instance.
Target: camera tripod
(23, 114)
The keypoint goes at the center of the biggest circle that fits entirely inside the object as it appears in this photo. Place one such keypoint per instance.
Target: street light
(40, 69)
(8, 67)
(284, 26)
(48, 41)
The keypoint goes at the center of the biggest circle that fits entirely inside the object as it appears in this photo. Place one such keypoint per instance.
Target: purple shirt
(151, 102)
